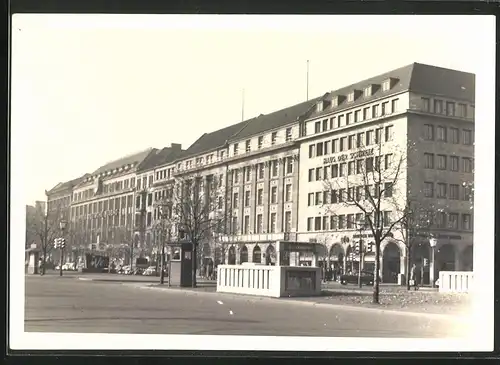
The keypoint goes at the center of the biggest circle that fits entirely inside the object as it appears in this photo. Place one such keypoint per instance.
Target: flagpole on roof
(243, 105)
(307, 82)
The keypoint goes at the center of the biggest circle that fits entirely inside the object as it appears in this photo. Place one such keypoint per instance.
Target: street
(67, 304)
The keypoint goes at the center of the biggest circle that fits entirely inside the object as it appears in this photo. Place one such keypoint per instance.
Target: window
(260, 194)
(335, 170)
(357, 116)
(429, 160)
(273, 222)
(317, 127)
(466, 222)
(288, 192)
(387, 218)
(453, 221)
(260, 142)
(335, 145)
(462, 110)
(319, 149)
(450, 108)
(333, 222)
(309, 224)
(359, 193)
(319, 174)
(369, 137)
(236, 176)
(319, 198)
(441, 220)
(351, 168)
(235, 148)
(261, 171)
(273, 137)
(326, 197)
(288, 221)
(386, 85)
(333, 122)
(310, 199)
(438, 106)
(366, 113)
(388, 189)
(274, 195)
(246, 224)
(388, 161)
(454, 138)
(428, 189)
(467, 164)
(248, 173)
(343, 143)
(441, 162)
(341, 195)
(351, 142)
(359, 166)
(350, 221)
(453, 163)
(467, 136)
(288, 134)
(394, 105)
(388, 133)
(247, 198)
(375, 111)
(453, 193)
(428, 132)
(326, 148)
(325, 125)
(341, 120)
(235, 200)
(311, 175)
(274, 168)
(289, 165)
(426, 105)
(369, 164)
(467, 193)
(341, 219)
(342, 169)
(348, 118)
(350, 97)
(360, 140)
(325, 223)
(385, 108)
(441, 133)
(247, 146)
(259, 223)
(312, 149)
(326, 172)
(367, 91)
(378, 135)
(441, 190)
(317, 224)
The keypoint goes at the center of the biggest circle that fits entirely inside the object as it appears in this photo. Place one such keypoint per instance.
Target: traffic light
(426, 262)
(57, 242)
(63, 242)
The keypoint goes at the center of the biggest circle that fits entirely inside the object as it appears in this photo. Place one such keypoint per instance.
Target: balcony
(259, 237)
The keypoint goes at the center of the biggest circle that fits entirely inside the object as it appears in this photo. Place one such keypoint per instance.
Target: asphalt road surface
(56, 304)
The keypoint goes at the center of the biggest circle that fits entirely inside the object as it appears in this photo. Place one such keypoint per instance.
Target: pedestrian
(414, 277)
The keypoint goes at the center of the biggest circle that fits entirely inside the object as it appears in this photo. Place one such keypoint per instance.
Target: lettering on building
(348, 156)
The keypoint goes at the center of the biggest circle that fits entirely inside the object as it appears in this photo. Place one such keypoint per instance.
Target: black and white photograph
(252, 182)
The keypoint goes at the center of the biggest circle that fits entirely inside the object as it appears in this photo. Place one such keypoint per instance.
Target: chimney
(176, 146)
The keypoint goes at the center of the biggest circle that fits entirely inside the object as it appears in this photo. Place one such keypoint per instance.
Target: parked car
(69, 266)
(366, 278)
(124, 270)
(150, 271)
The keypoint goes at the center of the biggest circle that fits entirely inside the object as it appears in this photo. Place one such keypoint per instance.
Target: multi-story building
(154, 175)
(417, 120)
(102, 209)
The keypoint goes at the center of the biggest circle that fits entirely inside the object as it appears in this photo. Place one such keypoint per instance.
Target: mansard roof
(132, 159)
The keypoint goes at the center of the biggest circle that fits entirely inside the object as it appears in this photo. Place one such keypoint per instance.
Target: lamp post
(62, 226)
(432, 243)
(361, 248)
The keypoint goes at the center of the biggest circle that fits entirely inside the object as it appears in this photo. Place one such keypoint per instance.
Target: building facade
(416, 121)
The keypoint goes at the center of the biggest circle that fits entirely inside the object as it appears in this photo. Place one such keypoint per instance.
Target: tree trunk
(194, 263)
(376, 284)
(44, 260)
(408, 268)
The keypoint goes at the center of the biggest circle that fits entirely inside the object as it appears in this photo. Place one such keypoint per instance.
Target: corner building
(425, 115)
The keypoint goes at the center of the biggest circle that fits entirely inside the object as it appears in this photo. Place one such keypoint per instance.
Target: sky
(89, 89)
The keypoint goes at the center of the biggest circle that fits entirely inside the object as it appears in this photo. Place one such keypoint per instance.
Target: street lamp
(360, 225)
(62, 226)
(432, 243)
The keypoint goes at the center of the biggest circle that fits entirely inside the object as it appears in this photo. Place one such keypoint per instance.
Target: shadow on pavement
(190, 319)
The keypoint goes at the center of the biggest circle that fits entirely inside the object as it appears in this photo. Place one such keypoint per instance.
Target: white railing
(269, 281)
(456, 281)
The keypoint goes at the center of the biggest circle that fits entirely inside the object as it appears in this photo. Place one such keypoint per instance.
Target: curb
(450, 317)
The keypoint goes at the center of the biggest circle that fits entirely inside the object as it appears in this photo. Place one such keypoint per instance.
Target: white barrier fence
(269, 281)
(456, 281)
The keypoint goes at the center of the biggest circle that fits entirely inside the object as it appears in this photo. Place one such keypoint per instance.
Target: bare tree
(45, 226)
(195, 202)
(369, 180)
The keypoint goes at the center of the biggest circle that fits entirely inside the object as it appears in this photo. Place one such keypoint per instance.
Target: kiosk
(33, 255)
(180, 266)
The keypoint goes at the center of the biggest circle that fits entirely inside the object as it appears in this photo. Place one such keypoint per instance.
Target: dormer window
(335, 101)
(235, 149)
(350, 97)
(386, 85)
(367, 92)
